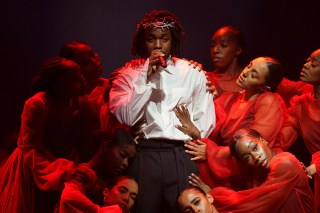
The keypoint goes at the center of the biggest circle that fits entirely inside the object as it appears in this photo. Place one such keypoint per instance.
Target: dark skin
(157, 43)
(196, 147)
(310, 74)
(187, 127)
(107, 163)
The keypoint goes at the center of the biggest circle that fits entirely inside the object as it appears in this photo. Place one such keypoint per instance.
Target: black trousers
(161, 168)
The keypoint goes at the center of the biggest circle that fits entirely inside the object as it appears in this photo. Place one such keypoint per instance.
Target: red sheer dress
(74, 199)
(316, 161)
(265, 114)
(285, 188)
(45, 149)
(90, 106)
(287, 89)
(304, 119)
(224, 82)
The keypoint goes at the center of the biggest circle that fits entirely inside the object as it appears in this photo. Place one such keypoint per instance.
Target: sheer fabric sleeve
(45, 168)
(289, 131)
(73, 200)
(222, 106)
(316, 160)
(285, 175)
(269, 116)
(220, 167)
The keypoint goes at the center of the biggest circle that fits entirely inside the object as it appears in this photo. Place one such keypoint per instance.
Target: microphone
(162, 62)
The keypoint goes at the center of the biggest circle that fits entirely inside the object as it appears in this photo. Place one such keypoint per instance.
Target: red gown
(287, 89)
(316, 161)
(90, 105)
(265, 114)
(74, 200)
(45, 148)
(220, 168)
(285, 189)
(304, 119)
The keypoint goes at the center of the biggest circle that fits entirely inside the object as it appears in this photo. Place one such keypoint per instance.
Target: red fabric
(90, 106)
(74, 200)
(95, 98)
(316, 161)
(304, 119)
(285, 189)
(220, 168)
(265, 114)
(46, 141)
(287, 89)
(224, 82)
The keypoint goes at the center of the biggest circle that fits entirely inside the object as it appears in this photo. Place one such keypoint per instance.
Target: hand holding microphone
(162, 62)
(156, 59)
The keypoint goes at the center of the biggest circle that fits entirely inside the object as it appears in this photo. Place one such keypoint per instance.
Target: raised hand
(194, 64)
(210, 87)
(154, 61)
(187, 127)
(311, 170)
(196, 181)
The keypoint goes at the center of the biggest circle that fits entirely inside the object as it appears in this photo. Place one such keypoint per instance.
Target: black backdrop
(34, 30)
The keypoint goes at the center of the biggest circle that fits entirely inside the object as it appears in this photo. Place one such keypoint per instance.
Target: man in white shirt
(144, 95)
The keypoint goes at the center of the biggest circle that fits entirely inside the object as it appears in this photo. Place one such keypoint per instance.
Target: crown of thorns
(158, 24)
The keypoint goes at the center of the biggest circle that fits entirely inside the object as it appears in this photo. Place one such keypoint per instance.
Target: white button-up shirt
(150, 103)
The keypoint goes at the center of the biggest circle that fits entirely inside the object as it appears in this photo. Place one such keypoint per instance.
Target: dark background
(32, 31)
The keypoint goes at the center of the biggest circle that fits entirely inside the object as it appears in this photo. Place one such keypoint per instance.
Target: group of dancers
(163, 135)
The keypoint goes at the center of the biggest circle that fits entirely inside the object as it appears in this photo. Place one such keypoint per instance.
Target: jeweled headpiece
(159, 24)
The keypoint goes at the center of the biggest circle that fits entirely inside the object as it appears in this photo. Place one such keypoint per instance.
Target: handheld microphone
(162, 62)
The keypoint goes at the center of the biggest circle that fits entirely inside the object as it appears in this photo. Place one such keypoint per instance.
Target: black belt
(159, 143)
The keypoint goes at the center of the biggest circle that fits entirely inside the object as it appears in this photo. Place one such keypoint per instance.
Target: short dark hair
(197, 188)
(240, 40)
(70, 49)
(240, 134)
(51, 72)
(177, 32)
(275, 74)
(118, 137)
(119, 178)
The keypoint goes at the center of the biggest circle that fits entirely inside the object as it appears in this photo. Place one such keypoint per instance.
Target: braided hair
(171, 22)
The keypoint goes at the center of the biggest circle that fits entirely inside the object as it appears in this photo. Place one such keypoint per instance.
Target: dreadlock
(176, 29)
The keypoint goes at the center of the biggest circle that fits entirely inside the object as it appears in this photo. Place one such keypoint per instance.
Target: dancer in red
(256, 107)
(48, 137)
(91, 102)
(304, 116)
(112, 158)
(276, 182)
(226, 50)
